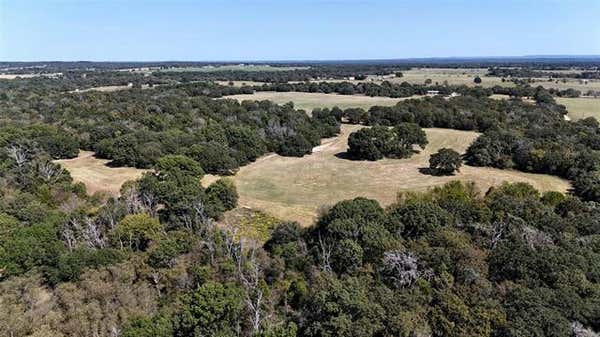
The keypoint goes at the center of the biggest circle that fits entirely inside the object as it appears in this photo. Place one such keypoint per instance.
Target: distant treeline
(534, 62)
(388, 89)
(529, 72)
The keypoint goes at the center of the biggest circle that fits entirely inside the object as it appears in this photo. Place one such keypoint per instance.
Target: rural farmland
(310, 101)
(296, 188)
(96, 175)
(307, 168)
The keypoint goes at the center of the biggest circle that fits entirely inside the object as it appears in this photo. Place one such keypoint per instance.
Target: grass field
(295, 188)
(452, 76)
(309, 101)
(96, 175)
(581, 107)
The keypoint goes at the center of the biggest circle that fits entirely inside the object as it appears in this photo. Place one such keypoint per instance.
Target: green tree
(136, 231)
(223, 191)
(214, 309)
(587, 186)
(445, 161)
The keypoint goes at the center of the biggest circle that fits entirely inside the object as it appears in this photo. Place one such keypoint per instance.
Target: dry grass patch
(309, 101)
(581, 107)
(96, 175)
(295, 188)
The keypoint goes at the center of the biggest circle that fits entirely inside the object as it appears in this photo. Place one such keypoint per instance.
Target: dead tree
(92, 234)
(82, 231)
(249, 273)
(19, 154)
(325, 249)
(401, 267)
(49, 171)
(497, 232)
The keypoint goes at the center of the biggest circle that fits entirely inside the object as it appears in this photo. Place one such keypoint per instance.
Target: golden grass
(96, 175)
(309, 101)
(452, 76)
(14, 76)
(581, 107)
(295, 188)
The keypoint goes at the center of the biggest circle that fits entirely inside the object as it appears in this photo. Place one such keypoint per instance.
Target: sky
(228, 30)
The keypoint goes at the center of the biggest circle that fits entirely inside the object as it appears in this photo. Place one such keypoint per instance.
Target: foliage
(445, 161)
(379, 141)
(136, 231)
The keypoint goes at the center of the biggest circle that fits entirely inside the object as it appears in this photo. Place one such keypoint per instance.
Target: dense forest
(162, 259)
(137, 127)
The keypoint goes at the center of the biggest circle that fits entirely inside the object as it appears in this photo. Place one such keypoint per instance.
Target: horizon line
(449, 58)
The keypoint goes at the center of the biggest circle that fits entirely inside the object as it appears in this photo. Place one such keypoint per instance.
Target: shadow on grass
(433, 172)
(347, 156)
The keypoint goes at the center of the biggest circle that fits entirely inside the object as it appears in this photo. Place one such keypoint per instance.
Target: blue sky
(151, 30)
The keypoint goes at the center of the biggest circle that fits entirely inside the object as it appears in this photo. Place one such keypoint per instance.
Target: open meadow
(449, 75)
(309, 101)
(581, 107)
(96, 175)
(295, 188)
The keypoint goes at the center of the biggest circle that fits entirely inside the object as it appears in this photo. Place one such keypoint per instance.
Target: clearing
(309, 101)
(581, 107)
(293, 188)
(96, 175)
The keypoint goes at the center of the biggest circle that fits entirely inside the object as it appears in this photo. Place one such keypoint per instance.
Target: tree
(477, 80)
(380, 141)
(136, 231)
(214, 309)
(214, 157)
(178, 165)
(159, 326)
(347, 256)
(587, 186)
(223, 194)
(364, 144)
(445, 161)
(410, 134)
(416, 218)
